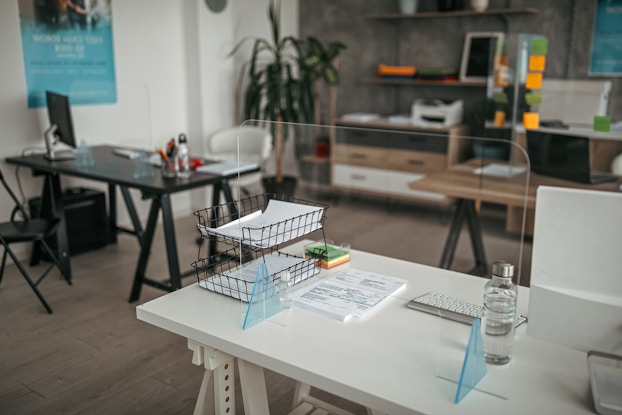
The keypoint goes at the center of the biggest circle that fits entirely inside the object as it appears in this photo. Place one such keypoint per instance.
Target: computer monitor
(61, 126)
(563, 156)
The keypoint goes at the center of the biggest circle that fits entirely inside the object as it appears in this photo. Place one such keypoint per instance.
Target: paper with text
(348, 293)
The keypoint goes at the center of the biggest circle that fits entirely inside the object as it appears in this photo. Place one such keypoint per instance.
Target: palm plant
(282, 75)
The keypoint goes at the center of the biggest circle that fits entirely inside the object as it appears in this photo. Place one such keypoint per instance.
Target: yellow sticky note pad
(531, 120)
(537, 63)
(534, 81)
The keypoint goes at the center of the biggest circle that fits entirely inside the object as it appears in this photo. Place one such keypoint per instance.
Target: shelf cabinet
(381, 158)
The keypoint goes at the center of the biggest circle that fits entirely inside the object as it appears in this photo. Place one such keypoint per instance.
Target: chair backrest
(255, 142)
(18, 206)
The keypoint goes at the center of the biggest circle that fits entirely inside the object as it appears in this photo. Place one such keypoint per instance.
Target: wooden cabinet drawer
(433, 143)
(360, 155)
(416, 161)
(381, 181)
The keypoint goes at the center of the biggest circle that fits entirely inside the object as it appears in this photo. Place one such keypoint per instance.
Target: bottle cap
(182, 138)
(502, 269)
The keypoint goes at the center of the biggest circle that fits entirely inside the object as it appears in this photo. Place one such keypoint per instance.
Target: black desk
(118, 171)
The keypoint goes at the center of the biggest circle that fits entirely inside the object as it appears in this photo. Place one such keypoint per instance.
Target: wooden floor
(93, 356)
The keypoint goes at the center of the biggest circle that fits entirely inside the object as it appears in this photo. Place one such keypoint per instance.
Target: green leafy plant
(282, 77)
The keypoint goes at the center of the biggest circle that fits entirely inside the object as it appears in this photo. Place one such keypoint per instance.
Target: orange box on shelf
(405, 71)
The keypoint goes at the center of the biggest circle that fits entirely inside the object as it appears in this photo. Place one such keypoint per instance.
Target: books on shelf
(396, 71)
(279, 222)
(347, 294)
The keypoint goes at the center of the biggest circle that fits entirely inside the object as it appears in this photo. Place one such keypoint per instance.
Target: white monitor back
(574, 101)
(575, 297)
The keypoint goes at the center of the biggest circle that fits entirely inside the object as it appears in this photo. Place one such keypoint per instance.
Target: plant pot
(287, 187)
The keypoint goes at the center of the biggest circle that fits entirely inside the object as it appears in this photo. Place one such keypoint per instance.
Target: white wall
(173, 74)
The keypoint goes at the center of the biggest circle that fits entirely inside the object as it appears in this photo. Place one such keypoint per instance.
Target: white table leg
(253, 385)
(301, 391)
(221, 366)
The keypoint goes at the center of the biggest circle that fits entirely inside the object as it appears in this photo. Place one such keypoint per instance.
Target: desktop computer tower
(86, 217)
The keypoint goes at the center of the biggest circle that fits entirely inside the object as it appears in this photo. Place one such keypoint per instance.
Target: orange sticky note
(534, 81)
(537, 63)
(531, 120)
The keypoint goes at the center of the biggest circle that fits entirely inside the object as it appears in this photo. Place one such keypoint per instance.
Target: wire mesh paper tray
(224, 274)
(262, 221)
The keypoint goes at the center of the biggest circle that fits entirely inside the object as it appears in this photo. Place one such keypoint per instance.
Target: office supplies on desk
(227, 167)
(451, 308)
(563, 156)
(280, 222)
(127, 153)
(327, 253)
(237, 280)
(348, 293)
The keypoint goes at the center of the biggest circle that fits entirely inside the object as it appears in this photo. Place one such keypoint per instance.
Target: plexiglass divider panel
(429, 196)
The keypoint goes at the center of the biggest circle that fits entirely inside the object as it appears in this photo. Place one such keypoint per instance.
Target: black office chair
(27, 230)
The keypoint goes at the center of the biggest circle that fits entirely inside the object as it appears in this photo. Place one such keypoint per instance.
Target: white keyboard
(451, 308)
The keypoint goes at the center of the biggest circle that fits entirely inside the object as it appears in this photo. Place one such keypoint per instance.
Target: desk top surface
(117, 170)
(395, 360)
(462, 182)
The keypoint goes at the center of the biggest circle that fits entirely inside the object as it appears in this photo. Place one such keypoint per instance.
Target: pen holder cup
(168, 169)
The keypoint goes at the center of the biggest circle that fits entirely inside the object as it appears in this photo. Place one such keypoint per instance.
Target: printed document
(348, 293)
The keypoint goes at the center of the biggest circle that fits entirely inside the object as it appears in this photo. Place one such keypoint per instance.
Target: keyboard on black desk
(451, 308)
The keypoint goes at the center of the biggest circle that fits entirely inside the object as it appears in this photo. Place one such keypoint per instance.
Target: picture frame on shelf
(476, 54)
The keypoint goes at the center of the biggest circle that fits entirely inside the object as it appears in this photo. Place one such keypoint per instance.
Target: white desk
(388, 361)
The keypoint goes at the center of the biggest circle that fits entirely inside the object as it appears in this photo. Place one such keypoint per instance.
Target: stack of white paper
(348, 293)
(280, 222)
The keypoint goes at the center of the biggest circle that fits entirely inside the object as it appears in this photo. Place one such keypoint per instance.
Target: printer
(436, 113)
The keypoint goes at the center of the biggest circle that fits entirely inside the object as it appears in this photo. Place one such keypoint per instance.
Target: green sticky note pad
(539, 46)
(533, 98)
(602, 123)
(500, 98)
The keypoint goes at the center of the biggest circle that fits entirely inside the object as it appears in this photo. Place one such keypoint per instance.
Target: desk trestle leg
(222, 367)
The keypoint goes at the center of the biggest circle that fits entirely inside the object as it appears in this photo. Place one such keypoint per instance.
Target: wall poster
(606, 57)
(68, 48)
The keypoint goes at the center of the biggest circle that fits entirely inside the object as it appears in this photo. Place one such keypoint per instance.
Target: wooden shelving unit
(418, 82)
(457, 13)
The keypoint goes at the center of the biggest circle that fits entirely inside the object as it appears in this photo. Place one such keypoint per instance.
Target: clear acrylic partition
(386, 188)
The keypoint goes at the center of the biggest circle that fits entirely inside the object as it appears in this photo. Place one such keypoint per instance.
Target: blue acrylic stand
(474, 366)
(264, 302)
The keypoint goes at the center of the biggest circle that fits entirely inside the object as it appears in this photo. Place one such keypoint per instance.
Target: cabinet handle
(359, 156)
(416, 162)
(358, 177)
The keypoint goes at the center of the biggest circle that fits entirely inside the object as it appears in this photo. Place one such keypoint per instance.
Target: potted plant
(282, 77)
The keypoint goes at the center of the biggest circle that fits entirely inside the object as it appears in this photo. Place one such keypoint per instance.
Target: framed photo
(478, 49)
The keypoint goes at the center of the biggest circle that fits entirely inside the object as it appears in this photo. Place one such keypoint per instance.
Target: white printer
(437, 113)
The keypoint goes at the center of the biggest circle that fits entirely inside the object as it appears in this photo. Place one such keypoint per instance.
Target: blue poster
(68, 49)
(606, 58)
